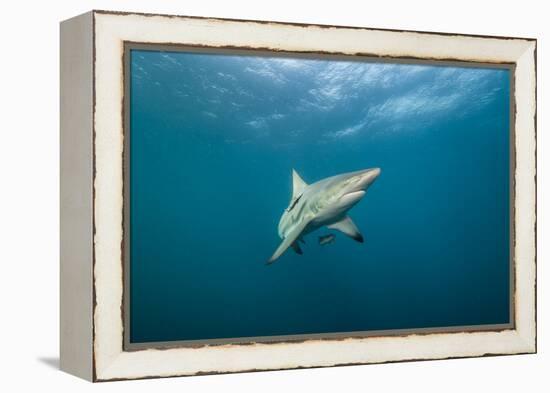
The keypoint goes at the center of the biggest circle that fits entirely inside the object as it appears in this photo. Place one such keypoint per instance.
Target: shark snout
(356, 187)
(365, 179)
(373, 174)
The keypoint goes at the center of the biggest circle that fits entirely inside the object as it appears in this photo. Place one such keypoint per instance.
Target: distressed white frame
(111, 30)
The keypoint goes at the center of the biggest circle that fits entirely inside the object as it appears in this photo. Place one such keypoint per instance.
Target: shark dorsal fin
(298, 185)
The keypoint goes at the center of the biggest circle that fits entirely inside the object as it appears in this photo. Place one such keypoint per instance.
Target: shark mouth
(352, 197)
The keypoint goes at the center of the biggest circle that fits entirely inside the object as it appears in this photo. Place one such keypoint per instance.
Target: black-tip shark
(323, 203)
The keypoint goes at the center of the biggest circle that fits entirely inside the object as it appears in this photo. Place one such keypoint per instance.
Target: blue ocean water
(214, 138)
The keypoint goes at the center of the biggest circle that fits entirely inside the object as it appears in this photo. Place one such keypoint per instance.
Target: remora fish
(324, 203)
(327, 239)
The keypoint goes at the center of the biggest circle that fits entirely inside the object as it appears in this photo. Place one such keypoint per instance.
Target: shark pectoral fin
(296, 247)
(347, 227)
(288, 241)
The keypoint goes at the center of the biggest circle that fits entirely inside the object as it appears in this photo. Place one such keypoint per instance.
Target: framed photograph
(245, 195)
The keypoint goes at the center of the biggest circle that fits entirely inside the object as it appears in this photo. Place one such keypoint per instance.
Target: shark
(324, 203)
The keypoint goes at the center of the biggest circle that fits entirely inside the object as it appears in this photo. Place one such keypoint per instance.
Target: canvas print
(278, 196)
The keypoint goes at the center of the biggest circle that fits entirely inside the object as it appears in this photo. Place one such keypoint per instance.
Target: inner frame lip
(128, 46)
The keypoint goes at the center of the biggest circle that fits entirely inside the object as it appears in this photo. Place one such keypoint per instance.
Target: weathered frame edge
(76, 196)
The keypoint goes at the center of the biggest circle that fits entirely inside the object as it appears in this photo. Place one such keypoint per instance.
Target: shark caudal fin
(348, 227)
